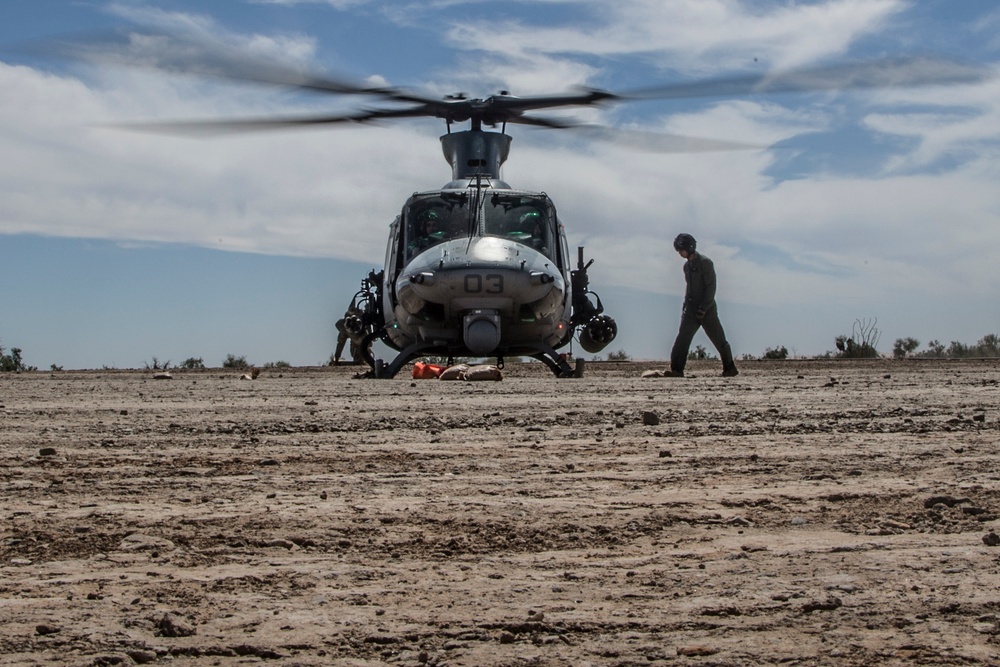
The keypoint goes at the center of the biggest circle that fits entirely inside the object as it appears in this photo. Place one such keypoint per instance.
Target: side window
(392, 250)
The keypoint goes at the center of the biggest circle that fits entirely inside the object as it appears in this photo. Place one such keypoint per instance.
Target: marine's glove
(700, 313)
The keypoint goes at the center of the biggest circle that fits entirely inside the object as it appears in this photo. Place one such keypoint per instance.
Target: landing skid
(557, 363)
(383, 371)
(546, 354)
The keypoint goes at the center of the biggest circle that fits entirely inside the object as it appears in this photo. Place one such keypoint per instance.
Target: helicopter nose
(482, 331)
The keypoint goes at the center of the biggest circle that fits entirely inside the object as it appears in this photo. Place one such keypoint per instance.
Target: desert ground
(803, 513)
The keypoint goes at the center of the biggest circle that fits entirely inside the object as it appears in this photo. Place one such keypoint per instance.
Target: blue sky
(116, 246)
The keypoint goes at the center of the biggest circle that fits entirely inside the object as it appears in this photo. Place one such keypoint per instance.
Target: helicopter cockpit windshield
(435, 219)
(521, 218)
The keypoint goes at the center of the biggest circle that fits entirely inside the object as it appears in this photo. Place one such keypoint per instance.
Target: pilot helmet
(685, 242)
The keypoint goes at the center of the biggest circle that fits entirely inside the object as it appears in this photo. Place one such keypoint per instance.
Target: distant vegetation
(12, 363)
(236, 363)
(987, 346)
(699, 353)
(776, 353)
(862, 343)
(193, 364)
(156, 365)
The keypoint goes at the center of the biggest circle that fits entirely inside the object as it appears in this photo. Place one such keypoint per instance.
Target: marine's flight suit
(700, 310)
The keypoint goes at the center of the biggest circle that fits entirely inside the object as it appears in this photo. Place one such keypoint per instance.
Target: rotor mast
(475, 153)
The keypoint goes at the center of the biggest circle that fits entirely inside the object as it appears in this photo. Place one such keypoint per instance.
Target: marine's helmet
(430, 223)
(530, 218)
(685, 242)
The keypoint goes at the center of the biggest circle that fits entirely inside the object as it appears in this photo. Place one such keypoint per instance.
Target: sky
(875, 206)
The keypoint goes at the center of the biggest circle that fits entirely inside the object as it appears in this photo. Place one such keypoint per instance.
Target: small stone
(169, 625)
(280, 543)
(507, 638)
(696, 651)
(650, 418)
(47, 451)
(142, 657)
(950, 501)
(323, 495)
(141, 542)
(991, 540)
(829, 604)
(45, 629)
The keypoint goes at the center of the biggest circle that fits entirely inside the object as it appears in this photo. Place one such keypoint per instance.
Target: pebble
(991, 540)
(650, 418)
(169, 625)
(47, 451)
(950, 501)
(141, 542)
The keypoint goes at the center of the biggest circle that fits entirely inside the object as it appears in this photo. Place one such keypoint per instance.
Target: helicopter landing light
(424, 278)
(540, 278)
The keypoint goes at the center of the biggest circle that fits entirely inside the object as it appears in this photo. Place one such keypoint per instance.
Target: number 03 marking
(491, 283)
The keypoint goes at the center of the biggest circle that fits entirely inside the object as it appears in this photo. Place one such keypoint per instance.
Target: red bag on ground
(425, 371)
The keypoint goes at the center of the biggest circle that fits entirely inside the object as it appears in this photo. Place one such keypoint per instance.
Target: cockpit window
(519, 218)
(433, 220)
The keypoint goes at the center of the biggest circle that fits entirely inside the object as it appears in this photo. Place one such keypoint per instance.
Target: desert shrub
(12, 363)
(862, 342)
(776, 353)
(235, 363)
(935, 350)
(193, 364)
(699, 353)
(155, 365)
(958, 350)
(619, 355)
(987, 346)
(277, 364)
(904, 346)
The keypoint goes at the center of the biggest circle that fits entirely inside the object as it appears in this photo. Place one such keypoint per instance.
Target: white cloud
(910, 235)
(698, 37)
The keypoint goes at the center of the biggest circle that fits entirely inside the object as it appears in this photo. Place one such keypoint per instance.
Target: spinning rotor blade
(895, 73)
(191, 54)
(207, 128)
(653, 142)
(657, 142)
(194, 53)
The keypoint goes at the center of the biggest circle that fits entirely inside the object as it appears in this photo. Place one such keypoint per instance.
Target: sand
(803, 513)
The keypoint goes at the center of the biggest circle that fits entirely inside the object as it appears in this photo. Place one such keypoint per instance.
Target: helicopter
(478, 268)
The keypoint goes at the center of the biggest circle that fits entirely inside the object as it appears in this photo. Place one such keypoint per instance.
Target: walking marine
(699, 311)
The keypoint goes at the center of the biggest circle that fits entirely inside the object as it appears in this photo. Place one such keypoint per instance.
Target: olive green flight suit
(700, 311)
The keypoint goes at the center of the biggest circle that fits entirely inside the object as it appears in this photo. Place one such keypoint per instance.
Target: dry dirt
(804, 513)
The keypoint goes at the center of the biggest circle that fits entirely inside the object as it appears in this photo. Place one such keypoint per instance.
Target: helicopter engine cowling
(598, 333)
